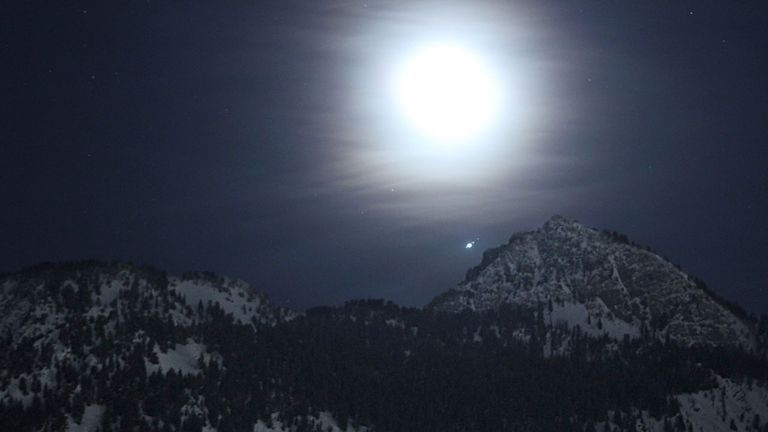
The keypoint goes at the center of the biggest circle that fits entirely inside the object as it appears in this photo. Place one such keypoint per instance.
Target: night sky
(255, 139)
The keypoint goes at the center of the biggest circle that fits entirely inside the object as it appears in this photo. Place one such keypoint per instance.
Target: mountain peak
(602, 285)
(559, 220)
(558, 224)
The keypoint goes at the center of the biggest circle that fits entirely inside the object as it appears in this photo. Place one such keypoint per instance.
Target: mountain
(600, 281)
(533, 340)
(72, 332)
(36, 302)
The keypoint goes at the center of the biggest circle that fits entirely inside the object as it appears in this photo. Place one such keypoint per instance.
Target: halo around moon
(449, 99)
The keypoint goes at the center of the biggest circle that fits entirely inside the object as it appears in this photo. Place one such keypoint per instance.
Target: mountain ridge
(102, 346)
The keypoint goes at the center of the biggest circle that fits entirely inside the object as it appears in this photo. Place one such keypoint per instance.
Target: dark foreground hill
(526, 343)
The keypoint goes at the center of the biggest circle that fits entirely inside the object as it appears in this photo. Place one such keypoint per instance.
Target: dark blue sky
(218, 137)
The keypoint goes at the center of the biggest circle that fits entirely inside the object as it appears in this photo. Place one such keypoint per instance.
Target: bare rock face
(600, 281)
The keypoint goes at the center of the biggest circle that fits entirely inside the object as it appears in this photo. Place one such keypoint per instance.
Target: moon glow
(445, 100)
(447, 93)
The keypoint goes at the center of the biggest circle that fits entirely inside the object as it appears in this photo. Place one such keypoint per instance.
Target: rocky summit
(600, 281)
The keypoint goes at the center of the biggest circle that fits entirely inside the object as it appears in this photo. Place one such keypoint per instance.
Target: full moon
(447, 93)
(447, 101)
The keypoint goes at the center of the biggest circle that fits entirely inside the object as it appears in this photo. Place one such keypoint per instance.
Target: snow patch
(715, 409)
(324, 420)
(90, 421)
(234, 300)
(182, 358)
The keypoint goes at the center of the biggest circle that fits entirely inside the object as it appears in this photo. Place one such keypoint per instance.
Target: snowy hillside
(37, 302)
(728, 407)
(94, 346)
(743, 405)
(79, 321)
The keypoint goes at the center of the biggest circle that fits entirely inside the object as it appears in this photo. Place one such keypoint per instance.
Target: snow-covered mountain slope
(739, 405)
(234, 296)
(728, 407)
(94, 346)
(67, 310)
(36, 301)
(599, 281)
